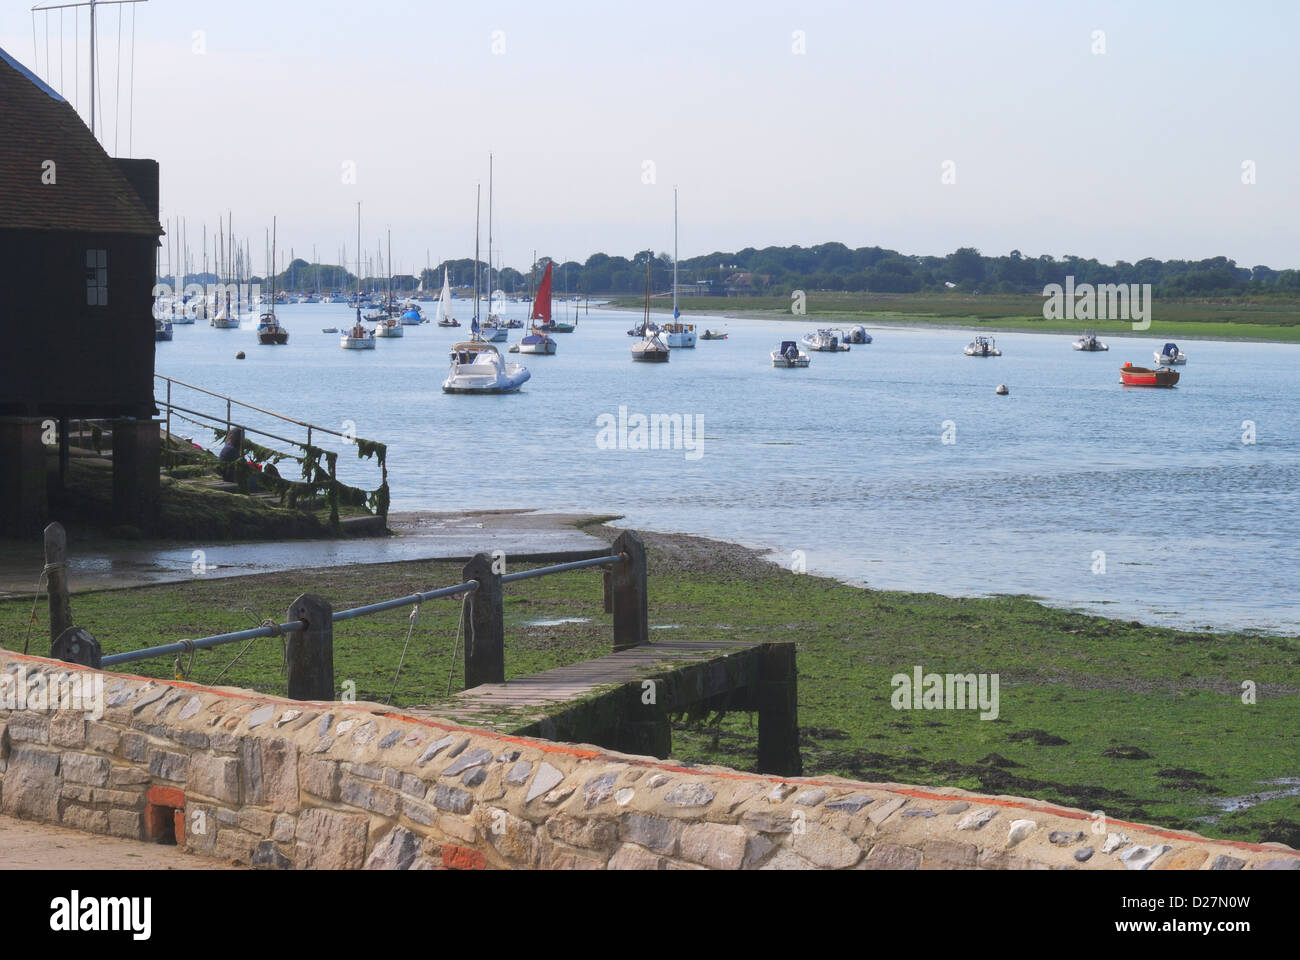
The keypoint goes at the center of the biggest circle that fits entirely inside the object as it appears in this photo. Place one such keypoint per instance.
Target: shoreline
(440, 536)
(1013, 324)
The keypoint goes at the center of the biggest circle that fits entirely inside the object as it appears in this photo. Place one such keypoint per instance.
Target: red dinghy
(1142, 377)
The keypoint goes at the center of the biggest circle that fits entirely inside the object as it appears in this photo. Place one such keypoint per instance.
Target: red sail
(542, 301)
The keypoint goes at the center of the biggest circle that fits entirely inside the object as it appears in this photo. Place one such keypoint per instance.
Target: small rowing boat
(1133, 376)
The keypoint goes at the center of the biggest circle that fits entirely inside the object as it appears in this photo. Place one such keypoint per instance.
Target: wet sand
(423, 535)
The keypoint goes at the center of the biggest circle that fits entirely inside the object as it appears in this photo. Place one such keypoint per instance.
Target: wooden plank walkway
(518, 704)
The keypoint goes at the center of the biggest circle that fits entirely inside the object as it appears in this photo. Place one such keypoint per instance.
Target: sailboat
(359, 337)
(679, 334)
(445, 317)
(389, 325)
(537, 341)
(651, 349)
(269, 330)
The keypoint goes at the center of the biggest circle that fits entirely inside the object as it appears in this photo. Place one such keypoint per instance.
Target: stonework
(280, 784)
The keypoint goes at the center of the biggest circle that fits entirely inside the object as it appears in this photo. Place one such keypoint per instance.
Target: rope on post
(415, 614)
(460, 624)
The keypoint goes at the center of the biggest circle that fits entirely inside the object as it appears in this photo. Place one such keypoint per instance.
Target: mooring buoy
(1002, 390)
(239, 355)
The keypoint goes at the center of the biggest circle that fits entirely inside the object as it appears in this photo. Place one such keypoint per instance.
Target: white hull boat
(789, 355)
(1089, 343)
(982, 347)
(1170, 356)
(824, 341)
(477, 367)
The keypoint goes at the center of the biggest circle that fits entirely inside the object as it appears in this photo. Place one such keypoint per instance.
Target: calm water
(844, 461)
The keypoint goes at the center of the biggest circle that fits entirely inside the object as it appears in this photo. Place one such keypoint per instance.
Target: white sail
(444, 302)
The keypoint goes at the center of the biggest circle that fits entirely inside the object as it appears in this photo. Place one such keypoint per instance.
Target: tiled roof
(89, 192)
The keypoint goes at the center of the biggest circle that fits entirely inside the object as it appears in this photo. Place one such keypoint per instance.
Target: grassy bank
(1269, 320)
(1140, 722)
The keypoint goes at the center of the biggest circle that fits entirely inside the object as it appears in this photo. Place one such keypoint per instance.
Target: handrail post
(484, 626)
(310, 652)
(628, 598)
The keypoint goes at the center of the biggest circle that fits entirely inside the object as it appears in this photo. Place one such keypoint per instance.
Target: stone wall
(278, 783)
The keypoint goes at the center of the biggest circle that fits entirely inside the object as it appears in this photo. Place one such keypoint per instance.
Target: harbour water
(1138, 503)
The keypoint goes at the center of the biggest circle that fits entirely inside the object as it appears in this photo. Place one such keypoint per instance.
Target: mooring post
(485, 634)
(310, 651)
(778, 711)
(56, 555)
(628, 599)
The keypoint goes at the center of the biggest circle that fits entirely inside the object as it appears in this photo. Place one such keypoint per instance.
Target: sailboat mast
(675, 313)
(478, 196)
(358, 263)
(489, 276)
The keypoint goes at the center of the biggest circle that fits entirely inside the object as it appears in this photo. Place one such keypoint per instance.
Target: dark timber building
(78, 237)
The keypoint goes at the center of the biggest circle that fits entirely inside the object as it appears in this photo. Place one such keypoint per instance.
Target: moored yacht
(477, 367)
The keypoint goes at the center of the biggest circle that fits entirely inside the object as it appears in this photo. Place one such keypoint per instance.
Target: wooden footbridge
(622, 701)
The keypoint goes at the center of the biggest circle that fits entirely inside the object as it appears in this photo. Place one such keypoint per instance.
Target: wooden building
(78, 237)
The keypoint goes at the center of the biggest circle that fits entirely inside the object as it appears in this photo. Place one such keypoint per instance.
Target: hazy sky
(1134, 152)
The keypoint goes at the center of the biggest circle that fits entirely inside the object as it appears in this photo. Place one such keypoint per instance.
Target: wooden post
(485, 635)
(778, 711)
(643, 728)
(628, 598)
(56, 555)
(310, 652)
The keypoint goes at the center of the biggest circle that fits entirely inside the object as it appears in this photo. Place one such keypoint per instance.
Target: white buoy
(1002, 390)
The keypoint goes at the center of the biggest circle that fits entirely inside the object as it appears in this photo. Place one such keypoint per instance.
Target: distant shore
(1272, 321)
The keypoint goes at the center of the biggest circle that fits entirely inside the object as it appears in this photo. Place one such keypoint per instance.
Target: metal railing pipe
(605, 561)
(184, 646)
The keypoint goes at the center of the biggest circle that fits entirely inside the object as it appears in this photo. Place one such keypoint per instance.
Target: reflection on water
(843, 461)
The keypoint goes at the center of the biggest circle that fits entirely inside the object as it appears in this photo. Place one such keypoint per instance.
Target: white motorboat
(824, 341)
(1088, 341)
(856, 334)
(389, 327)
(495, 331)
(477, 367)
(789, 355)
(1170, 356)
(983, 347)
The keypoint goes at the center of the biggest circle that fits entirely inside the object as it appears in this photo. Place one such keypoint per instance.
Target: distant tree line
(834, 266)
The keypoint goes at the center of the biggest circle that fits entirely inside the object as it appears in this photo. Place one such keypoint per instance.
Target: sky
(1107, 130)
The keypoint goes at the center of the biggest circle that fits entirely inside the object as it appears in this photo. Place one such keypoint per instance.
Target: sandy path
(41, 846)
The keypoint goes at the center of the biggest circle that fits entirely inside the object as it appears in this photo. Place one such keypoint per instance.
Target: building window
(97, 278)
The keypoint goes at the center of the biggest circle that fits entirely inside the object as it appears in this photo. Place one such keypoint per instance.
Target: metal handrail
(229, 400)
(185, 646)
